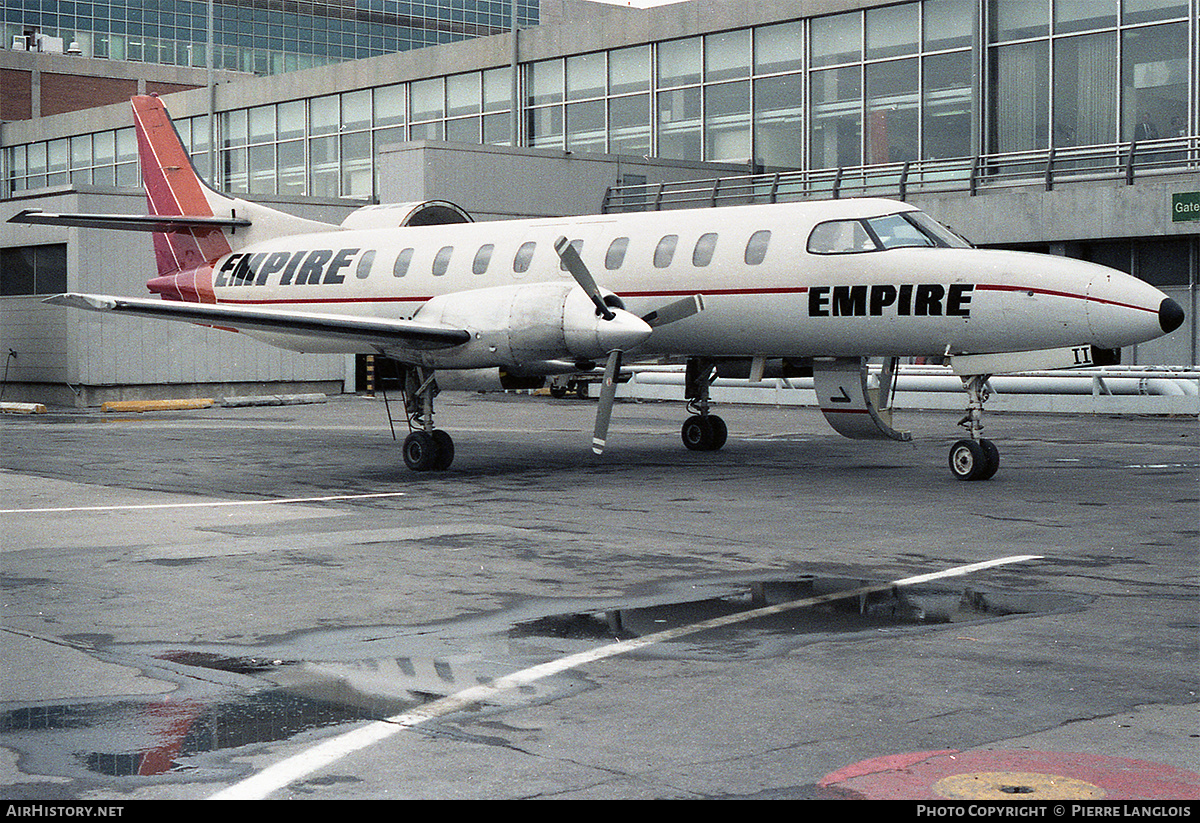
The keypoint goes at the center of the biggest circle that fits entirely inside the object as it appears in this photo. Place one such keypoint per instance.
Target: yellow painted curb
(22, 408)
(155, 405)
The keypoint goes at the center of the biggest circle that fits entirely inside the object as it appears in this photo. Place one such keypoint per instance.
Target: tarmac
(263, 602)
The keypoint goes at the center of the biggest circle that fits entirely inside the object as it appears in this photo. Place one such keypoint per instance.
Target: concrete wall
(500, 183)
(71, 357)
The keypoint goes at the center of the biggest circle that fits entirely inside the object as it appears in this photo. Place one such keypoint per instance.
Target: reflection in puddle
(267, 699)
(879, 609)
(142, 738)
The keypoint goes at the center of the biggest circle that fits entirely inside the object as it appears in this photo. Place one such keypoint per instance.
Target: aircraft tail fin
(203, 224)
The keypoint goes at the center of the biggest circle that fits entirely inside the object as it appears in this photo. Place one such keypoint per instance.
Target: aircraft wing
(374, 331)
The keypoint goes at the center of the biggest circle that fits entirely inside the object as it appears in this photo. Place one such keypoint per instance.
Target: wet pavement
(191, 598)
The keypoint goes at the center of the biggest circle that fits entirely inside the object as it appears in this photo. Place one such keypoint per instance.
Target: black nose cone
(1170, 315)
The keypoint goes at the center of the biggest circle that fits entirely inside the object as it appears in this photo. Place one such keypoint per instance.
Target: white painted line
(288, 771)
(204, 504)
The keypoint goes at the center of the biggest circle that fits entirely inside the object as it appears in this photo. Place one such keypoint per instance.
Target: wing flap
(373, 331)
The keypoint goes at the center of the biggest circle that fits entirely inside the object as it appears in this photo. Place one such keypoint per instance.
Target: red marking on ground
(912, 776)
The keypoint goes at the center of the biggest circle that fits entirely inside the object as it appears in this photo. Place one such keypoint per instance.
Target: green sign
(1185, 206)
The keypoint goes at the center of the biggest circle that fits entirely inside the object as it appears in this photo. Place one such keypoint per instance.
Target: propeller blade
(608, 391)
(570, 259)
(675, 311)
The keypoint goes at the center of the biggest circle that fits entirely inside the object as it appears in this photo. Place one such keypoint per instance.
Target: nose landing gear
(977, 458)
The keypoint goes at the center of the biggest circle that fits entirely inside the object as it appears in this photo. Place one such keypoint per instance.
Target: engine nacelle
(521, 327)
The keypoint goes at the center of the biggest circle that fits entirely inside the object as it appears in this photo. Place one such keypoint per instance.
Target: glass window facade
(250, 37)
(919, 81)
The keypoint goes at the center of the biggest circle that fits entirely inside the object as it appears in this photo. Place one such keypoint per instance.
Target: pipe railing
(1044, 167)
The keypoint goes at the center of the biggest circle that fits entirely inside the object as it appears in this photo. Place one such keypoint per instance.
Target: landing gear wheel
(420, 451)
(993, 459)
(704, 433)
(697, 434)
(445, 450)
(720, 431)
(973, 460)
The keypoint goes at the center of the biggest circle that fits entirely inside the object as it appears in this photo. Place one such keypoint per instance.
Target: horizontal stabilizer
(128, 222)
(371, 331)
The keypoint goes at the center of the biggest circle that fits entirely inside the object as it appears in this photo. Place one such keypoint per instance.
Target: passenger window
(665, 251)
(575, 244)
(403, 259)
(364, 264)
(756, 249)
(442, 261)
(703, 253)
(616, 253)
(482, 258)
(840, 237)
(524, 256)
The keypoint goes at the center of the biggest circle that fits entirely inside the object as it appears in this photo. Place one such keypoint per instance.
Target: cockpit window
(895, 232)
(892, 231)
(840, 237)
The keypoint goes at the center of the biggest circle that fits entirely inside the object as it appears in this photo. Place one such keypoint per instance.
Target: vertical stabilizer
(174, 189)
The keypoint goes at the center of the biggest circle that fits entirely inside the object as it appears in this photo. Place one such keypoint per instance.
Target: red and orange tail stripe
(173, 189)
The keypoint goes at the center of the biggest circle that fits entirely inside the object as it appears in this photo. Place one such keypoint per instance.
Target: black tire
(968, 460)
(697, 433)
(992, 456)
(445, 450)
(720, 431)
(420, 451)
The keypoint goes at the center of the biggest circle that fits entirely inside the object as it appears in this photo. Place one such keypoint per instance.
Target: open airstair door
(853, 408)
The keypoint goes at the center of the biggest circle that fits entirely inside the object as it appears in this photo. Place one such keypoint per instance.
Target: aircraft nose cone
(1170, 315)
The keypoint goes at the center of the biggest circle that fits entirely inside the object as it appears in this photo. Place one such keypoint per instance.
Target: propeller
(570, 258)
(669, 313)
(608, 392)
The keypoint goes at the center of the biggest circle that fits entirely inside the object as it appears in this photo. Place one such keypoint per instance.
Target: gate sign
(1185, 206)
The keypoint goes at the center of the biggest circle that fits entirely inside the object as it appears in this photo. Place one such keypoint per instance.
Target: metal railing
(1046, 168)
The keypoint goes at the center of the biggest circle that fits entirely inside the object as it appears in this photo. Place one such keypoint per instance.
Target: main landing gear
(976, 458)
(425, 448)
(702, 431)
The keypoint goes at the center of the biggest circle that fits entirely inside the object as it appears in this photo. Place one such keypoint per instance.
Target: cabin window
(756, 248)
(665, 251)
(482, 258)
(364, 264)
(524, 256)
(575, 244)
(442, 261)
(703, 253)
(403, 259)
(616, 253)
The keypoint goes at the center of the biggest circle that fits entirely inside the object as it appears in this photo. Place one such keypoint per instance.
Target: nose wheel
(974, 459)
(977, 458)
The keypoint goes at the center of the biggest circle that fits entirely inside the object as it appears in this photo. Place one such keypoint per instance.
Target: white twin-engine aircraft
(798, 288)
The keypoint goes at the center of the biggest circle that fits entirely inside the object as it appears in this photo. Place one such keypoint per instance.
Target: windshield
(892, 231)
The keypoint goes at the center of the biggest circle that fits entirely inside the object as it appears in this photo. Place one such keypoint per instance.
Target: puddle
(225, 701)
(880, 610)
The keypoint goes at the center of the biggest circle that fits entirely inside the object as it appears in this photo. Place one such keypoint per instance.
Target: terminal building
(1068, 127)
